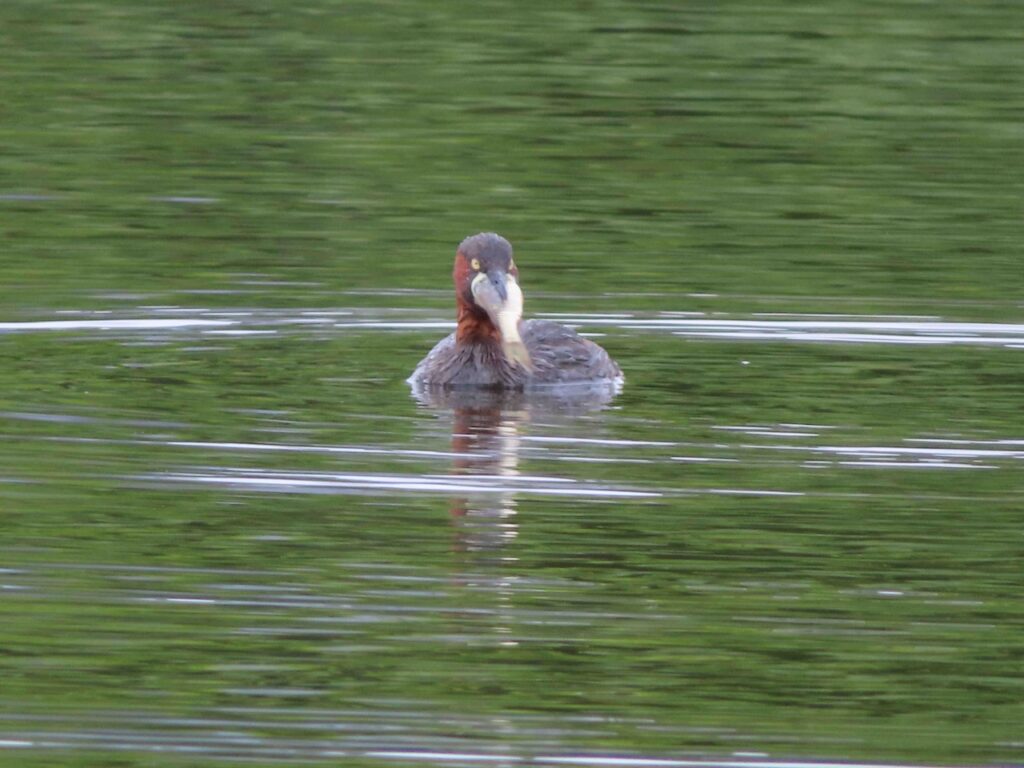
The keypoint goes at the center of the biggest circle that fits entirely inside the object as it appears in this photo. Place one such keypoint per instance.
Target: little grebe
(492, 348)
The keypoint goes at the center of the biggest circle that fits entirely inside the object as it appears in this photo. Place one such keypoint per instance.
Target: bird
(493, 348)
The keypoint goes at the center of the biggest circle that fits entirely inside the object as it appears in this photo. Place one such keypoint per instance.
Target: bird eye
(475, 264)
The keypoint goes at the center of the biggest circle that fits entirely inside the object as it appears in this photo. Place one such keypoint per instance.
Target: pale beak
(498, 294)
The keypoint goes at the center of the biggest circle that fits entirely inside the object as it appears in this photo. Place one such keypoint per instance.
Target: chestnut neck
(474, 326)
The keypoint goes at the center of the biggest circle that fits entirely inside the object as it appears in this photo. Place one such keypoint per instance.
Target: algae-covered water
(231, 534)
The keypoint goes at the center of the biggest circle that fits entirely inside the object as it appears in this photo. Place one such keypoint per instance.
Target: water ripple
(851, 329)
(246, 479)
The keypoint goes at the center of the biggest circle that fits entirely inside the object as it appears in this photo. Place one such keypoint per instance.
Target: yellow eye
(475, 264)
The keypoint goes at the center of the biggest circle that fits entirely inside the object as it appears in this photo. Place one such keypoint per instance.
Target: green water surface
(746, 594)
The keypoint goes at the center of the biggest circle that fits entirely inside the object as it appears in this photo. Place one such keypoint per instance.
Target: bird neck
(474, 326)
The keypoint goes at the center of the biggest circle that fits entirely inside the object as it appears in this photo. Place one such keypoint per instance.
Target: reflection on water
(293, 588)
(487, 438)
(851, 329)
(487, 441)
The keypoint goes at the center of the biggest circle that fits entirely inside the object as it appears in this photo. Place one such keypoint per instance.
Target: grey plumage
(560, 357)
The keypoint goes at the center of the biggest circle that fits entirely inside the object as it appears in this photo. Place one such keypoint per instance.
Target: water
(232, 534)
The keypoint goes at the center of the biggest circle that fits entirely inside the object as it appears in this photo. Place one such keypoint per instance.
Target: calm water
(232, 535)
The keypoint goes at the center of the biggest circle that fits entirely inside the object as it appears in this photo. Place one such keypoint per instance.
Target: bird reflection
(487, 438)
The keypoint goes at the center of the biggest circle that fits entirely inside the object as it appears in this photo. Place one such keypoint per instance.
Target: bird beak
(498, 294)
